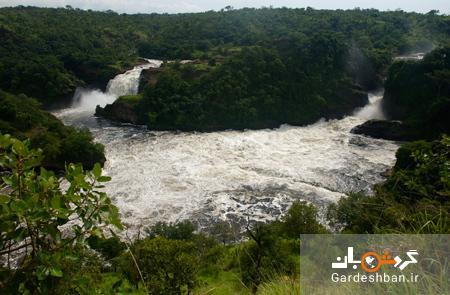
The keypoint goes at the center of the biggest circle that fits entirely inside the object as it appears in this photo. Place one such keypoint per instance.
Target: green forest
(251, 69)
(418, 93)
(46, 53)
(22, 117)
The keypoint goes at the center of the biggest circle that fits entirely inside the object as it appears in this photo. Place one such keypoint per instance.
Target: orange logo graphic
(372, 261)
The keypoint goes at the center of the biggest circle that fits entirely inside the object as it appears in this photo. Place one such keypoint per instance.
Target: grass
(111, 281)
(225, 283)
(130, 98)
(228, 282)
(280, 286)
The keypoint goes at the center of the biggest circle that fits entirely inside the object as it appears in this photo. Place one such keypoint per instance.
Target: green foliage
(84, 273)
(173, 259)
(280, 286)
(110, 248)
(418, 92)
(301, 219)
(273, 248)
(180, 231)
(414, 199)
(21, 117)
(259, 68)
(166, 266)
(256, 87)
(34, 209)
(427, 177)
(46, 53)
(266, 256)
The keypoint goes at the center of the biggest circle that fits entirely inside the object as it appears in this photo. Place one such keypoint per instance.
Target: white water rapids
(229, 175)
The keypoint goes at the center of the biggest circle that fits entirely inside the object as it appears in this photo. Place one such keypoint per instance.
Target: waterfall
(411, 56)
(85, 100)
(128, 82)
(373, 109)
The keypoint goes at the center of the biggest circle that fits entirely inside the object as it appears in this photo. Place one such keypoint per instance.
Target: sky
(176, 6)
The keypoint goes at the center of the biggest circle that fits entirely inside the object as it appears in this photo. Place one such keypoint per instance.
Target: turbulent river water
(232, 176)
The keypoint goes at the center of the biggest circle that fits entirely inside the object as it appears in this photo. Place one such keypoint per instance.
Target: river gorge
(233, 176)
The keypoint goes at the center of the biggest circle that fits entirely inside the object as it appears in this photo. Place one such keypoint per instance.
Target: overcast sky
(174, 6)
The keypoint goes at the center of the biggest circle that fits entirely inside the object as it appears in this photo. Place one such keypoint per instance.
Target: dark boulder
(119, 111)
(389, 130)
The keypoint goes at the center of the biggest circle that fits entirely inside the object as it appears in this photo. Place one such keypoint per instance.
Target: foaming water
(128, 82)
(233, 175)
(84, 101)
(373, 110)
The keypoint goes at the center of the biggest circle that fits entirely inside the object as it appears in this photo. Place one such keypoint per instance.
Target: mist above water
(88, 99)
(373, 110)
(85, 100)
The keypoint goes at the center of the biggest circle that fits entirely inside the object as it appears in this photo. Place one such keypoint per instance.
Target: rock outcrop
(383, 129)
(119, 111)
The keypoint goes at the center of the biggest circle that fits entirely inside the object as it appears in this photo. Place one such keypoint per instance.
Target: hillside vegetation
(22, 117)
(46, 53)
(418, 93)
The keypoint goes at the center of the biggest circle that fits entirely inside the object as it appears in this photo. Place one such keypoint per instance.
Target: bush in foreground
(35, 210)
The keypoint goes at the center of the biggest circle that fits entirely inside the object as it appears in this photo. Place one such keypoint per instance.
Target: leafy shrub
(180, 231)
(110, 248)
(35, 209)
(301, 218)
(264, 257)
(165, 266)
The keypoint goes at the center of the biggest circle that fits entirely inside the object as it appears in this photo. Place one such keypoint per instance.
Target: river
(232, 176)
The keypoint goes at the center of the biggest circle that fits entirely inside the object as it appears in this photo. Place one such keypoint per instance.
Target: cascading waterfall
(373, 110)
(86, 100)
(231, 175)
(128, 82)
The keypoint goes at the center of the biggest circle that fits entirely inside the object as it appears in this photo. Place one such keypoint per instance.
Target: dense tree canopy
(418, 93)
(255, 88)
(46, 53)
(22, 117)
